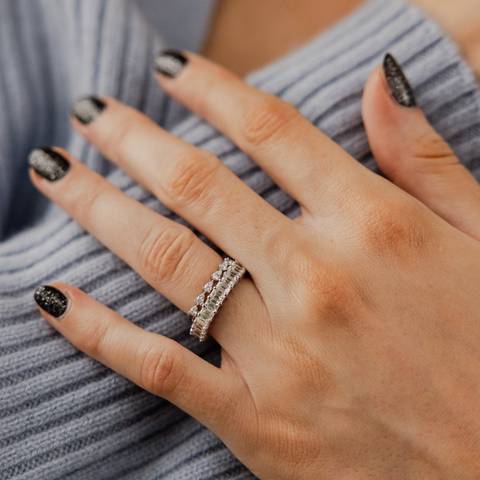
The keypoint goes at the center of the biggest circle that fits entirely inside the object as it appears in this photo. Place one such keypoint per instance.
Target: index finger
(300, 159)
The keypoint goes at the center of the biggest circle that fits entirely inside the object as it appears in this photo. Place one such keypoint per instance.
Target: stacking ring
(229, 273)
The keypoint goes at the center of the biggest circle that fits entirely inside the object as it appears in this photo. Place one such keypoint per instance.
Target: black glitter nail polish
(48, 163)
(88, 109)
(170, 63)
(52, 300)
(398, 83)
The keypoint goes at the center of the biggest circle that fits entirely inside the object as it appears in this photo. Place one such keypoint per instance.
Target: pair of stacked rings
(229, 273)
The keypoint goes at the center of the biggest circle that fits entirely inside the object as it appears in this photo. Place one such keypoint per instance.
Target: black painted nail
(170, 63)
(48, 163)
(52, 300)
(88, 109)
(398, 83)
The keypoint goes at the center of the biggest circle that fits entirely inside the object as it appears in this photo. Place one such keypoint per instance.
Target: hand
(353, 351)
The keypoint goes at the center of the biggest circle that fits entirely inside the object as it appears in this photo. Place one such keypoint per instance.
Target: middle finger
(190, 181)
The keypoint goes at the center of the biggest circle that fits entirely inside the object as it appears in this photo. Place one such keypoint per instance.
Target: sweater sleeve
(63, 415)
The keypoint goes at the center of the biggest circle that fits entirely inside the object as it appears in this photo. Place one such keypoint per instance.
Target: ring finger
(169, 256)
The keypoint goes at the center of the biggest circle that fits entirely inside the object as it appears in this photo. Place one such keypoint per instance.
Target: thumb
(412, 155)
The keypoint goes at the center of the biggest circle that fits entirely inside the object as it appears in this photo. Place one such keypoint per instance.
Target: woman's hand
(353, 351)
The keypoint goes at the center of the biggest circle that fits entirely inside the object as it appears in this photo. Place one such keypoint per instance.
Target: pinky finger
(155, 363)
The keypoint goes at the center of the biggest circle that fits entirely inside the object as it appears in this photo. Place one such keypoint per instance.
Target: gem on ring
(230, 273)
(208, 287)
(217, 275)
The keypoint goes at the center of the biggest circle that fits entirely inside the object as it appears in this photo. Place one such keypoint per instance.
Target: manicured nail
(88, 109)
(170, 63)
(52, 300)
(48, 163)
(398, 83)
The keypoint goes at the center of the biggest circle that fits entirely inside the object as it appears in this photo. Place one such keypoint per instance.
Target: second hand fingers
(166, 254)
(192, 182)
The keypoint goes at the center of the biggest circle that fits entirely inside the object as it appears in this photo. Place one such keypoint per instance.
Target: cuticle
(69, 305)
(87, 109)
(398, 84)
(52, 301)
(49, 163)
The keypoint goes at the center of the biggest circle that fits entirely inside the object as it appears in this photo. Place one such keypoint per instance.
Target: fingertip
(48, 163)
(51, 168)
(375, 94)
(74, 294)
(380, 109)
(64, 153)
(54, 300)
(35, 178)
(86, 110)
(185, 79)
(392, 127)
(169, 64)
(380, 117)
(171, 72)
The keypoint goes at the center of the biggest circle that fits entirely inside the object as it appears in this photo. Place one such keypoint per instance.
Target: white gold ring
(215, 292)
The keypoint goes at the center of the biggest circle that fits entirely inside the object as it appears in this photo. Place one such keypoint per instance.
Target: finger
(190, 181)
(155, 363)
(299, 158)
(169, 256)
(416, 158)
(166, 254)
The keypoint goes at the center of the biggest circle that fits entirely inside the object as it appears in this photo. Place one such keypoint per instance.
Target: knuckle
(266, 120)
(321, 288)
(158, 370)
(121, 137)
(325, 290)
(207, 103)
(93, 335)
(191, 177)
(164, 251)
(431, 146)
(395, 228)
(89, 206)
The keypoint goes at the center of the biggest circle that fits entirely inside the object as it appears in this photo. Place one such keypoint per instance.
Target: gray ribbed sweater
(63, 415)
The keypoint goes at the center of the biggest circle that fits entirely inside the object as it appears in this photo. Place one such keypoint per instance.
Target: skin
(250, 34)
(353, 351)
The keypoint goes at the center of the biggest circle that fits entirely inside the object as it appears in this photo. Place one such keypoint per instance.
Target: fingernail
(48, 163)
(398, 83)
(88, 109)
(52, 300)
(170, 63)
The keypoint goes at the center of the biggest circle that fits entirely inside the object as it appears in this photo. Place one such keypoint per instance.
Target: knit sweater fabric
(62, 414)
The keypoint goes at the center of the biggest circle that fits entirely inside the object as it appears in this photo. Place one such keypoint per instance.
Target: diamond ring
(214, 294)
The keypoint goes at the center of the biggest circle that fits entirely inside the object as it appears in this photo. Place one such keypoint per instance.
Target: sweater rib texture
(62, 414)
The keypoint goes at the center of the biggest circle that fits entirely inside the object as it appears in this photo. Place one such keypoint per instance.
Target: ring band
(215, 292)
